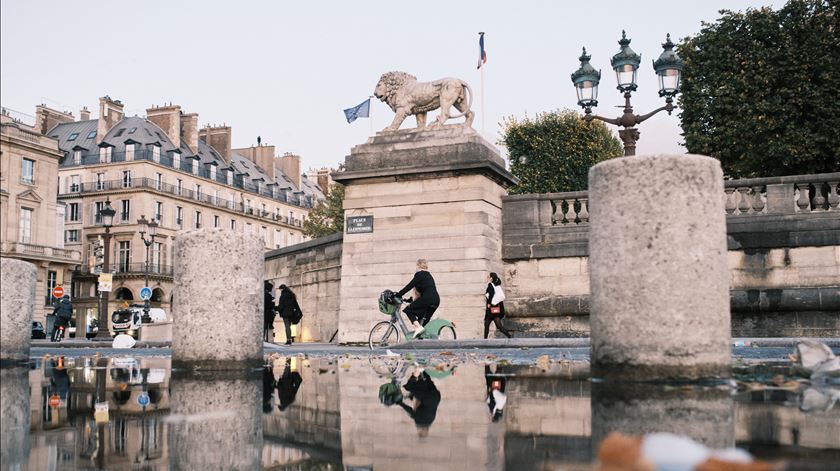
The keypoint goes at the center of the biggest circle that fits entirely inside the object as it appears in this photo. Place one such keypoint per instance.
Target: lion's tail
(469, 100)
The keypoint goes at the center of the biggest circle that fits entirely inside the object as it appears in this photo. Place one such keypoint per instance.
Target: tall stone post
(217, 300)
(17, 301)
(658, 268)
(216, 420)
(432, 194)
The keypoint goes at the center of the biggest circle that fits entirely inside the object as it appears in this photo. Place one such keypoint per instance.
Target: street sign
(100, 412)
(145, 293)
(143, 399)
(105, 281)
(359, 224)
(58, 292)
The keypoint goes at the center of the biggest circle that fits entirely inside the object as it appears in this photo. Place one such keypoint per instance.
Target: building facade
(31, 217)
(164, 168)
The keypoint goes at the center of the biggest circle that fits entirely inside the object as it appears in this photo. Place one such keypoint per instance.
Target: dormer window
(176, 160)
(77, 157)
(229, 176)
(129, 152)
(195, 167)
(105, 154)
(212, 172)
(73, 136)
(156, 153)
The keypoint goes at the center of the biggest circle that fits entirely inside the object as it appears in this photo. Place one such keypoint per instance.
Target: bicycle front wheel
(383, 334)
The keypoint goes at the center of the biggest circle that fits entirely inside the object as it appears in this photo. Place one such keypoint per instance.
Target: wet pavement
(329, 408)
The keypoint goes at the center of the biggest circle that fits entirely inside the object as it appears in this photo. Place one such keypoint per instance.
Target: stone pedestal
(434, 194)
(216, 421)
(658, 268)
(217, 300)
(17, 301)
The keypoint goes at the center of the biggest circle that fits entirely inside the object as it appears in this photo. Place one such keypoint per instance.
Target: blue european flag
(360, 111)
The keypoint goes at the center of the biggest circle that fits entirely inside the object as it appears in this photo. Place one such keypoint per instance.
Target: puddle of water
(384, 413)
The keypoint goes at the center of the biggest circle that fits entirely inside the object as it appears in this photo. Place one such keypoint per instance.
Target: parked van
(128, 320)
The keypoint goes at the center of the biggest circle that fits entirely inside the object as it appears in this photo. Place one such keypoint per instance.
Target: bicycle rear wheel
(383, 334)
(446, 332)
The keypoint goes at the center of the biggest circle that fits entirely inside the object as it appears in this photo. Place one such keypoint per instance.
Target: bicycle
(387, 333)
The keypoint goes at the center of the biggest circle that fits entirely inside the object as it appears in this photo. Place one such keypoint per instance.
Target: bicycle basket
(387, 305)
(390, 394)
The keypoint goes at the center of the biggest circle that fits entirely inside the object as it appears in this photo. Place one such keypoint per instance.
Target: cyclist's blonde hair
(422, 264)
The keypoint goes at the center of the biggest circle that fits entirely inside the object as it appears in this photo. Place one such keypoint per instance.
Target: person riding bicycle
(420, 311)
(62, 312)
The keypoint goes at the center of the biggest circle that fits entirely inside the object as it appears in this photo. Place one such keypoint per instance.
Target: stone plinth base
(433, 195)
(658, 269)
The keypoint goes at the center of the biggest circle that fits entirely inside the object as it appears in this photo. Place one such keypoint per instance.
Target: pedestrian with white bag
(495, 310)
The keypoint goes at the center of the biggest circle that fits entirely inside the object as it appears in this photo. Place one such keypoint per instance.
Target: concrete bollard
(658, 268)
(216, 421)
(17, 301)
(14, 426)
(217, 300)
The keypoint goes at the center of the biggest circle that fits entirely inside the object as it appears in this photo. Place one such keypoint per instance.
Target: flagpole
(370, 113)
(482, 99)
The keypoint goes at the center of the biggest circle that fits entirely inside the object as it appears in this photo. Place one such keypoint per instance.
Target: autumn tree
(328, 216)
(553, 152)
(760, 90)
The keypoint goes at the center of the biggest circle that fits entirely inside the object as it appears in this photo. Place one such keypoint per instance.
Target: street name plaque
(359, 224)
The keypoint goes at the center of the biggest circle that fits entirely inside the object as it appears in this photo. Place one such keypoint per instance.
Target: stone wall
(313, 271)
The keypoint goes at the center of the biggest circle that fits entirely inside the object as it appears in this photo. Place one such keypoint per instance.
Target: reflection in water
(326, 414)
(14, 417)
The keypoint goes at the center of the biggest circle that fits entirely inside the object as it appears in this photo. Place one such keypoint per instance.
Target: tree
(760, 90)
(553, 152)
(328, 216)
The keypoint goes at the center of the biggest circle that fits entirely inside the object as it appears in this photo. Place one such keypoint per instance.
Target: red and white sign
(58, 292)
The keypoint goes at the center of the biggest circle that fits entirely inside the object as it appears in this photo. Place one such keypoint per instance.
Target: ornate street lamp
(668, 68)
(106, 216)
(151, 228)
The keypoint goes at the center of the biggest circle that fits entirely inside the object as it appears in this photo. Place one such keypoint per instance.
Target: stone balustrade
(557, 224)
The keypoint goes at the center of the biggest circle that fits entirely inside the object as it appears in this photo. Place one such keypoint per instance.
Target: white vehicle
(129, 320)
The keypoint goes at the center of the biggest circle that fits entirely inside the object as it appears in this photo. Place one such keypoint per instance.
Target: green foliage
(553, 152)
(328, 217)
(761, 88)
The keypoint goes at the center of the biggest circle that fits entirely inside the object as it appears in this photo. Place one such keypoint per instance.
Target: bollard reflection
(704, 414)
(216, 420)
(14, 407)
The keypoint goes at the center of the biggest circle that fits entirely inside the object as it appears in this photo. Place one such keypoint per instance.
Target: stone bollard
(216, 420)
(658, 268)
(217, 300)
(17, 301)
(14, 410)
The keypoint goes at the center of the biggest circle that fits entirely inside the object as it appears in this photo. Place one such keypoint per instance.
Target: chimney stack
(219, 138)
(84, 114)
(262, 155)
(189, 130)
(290, 165)
(168, 118)
(110, 113)
(46, 118)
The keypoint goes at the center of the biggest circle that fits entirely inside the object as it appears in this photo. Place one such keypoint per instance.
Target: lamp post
(668, 68)
(151, 228)
(106, 218)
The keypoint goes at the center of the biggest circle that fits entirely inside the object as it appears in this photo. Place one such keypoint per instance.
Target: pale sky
(285, 70)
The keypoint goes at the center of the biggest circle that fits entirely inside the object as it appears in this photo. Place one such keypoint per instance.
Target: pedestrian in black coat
(289, 309)
(494, 283)
(288, 385)
(421, 309)
(62, 312)
(268, 311)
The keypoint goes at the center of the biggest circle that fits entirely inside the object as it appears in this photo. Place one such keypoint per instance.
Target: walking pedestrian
(268, 311)
(288, 385)
(495, 310)
(289, 310)
(420, 311)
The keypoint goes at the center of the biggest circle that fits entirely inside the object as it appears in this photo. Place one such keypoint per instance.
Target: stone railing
(557, 224)
(40, 251)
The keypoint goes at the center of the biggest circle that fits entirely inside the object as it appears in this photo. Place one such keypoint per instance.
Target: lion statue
(406, 96)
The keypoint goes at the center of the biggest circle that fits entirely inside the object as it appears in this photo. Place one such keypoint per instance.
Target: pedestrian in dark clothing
(287, 386)
(268, 387)
(495, 310)
(426, 400)
(289, 310)
(62, 312)
(268, 311)
(496, 398)
(420, 311)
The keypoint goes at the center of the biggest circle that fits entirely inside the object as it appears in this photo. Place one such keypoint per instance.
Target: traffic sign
(58, 292)
(145, 293)
(143, 399)
(105, 281)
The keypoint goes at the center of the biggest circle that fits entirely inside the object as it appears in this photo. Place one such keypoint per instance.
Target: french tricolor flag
(482, 54)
